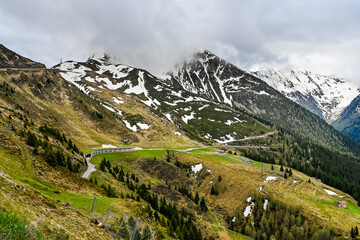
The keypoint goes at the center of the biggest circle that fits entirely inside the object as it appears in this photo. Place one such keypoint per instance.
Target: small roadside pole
(135, 229)
(93, 207)
(122, 222)
(152, 233)
(107, 216)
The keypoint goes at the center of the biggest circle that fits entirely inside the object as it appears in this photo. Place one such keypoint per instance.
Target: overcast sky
(320, 36)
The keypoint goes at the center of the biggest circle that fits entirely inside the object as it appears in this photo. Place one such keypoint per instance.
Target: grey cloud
(156, 34)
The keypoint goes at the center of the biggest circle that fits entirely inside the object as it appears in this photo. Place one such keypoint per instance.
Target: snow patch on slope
(330, 95)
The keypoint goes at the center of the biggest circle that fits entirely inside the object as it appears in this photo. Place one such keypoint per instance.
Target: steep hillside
(213, 77)
(349, 121)
(175, 188)
(10, 59)
(47, 98)
(245, 194)
(325, 96)
(119, 88)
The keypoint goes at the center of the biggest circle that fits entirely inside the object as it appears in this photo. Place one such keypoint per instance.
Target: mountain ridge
(213, 77)
(325, 96)
(10, 59)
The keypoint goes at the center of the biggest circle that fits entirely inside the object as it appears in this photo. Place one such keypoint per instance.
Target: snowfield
(266, 203)
(196, 168)
(128, 125)
(143, 126)
(330, 192)
(248, 209)
(330, 95)
(186, 118)
(270, 178)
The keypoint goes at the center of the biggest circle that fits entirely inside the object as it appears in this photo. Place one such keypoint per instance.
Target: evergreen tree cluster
(333, 168)
(110, 192)
(180, 223)
(354, 232)
(54, 132)
(52, 157)
(196, 199)
(278, 221)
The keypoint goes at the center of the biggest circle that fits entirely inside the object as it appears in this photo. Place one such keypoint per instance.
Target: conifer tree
(196, 199)
(203, 204)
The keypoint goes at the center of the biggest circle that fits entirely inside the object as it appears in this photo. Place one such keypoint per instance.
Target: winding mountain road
(91, 167)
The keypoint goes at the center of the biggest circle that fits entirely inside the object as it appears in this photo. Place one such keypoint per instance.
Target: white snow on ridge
(171, 104)
(168, 116)
(177, 133)
(186, 118)
(228, 138)
(108, 146)
(202, 107)
(264, 93)
(270, 178)
(207, 136)
(140, 88)
(158, 88)
(118, 71)
(248, 199)
(117, 100)
(248, 209)
(89, 79)
(143, 126)
(108, 108)
(330, 192)
(128, 125)
(221, 110)
(230, 122)
(331, 95)
(196, 168)
(266, 203)
(117, 111)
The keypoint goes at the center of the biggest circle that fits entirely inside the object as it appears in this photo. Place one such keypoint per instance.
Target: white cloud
(155, 34)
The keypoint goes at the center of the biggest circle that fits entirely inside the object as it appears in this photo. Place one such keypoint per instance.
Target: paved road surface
(91, 168)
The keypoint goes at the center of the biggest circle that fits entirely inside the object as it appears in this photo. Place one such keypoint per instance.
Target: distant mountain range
(187, 112)
(325, 96)
(214, 78)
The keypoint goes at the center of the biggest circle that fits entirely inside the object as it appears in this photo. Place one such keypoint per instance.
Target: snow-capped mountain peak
(323, 95)
(101, 58)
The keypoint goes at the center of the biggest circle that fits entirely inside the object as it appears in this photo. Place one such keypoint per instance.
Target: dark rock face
(10, 59)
